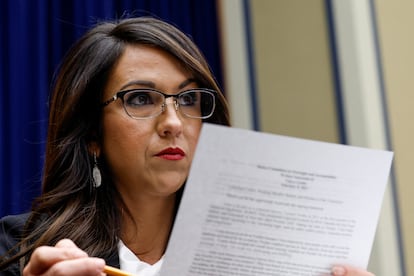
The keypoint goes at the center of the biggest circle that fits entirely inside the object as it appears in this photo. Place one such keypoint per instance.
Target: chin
(170, 187)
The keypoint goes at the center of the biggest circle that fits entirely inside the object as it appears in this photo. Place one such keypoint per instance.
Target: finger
(66, 243)
(83, 266)
(349, 271)
(44, 257)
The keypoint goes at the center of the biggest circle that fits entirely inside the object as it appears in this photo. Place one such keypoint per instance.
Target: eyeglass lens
(146, 104)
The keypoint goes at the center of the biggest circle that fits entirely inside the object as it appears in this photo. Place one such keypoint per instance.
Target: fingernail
(338, 271)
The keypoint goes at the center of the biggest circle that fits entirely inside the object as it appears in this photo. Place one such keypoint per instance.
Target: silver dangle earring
(96, 173)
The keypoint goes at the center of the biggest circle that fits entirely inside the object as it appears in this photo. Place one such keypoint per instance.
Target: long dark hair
(69, 206)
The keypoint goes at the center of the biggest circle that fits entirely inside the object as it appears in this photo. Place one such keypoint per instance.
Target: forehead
(146, 63)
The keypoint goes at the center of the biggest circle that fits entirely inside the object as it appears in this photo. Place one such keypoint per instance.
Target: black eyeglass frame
(122, 93)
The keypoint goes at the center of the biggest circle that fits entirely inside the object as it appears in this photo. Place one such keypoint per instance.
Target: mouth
(171, 154)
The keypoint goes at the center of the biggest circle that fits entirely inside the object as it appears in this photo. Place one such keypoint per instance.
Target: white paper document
(264, 204)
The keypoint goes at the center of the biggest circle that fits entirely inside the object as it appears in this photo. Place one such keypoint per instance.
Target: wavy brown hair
(69, 206)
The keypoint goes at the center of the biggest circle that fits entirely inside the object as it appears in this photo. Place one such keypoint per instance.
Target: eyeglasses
(145, 103)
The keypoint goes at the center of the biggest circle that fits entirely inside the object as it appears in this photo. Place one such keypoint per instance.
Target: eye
(139, 98)
(188, 99)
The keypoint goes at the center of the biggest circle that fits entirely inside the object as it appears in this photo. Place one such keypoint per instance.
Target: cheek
(123, 140)
(193, 135)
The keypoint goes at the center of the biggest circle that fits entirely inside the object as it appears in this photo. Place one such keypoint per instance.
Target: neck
(147, 229)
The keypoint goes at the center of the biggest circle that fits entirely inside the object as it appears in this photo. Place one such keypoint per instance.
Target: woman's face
(148, 157)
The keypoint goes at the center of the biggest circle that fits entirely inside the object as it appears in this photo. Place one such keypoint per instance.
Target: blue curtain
(34, 35)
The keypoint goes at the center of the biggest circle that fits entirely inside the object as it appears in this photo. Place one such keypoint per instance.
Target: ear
(94, 148)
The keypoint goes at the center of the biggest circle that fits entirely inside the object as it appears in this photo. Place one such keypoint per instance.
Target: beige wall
(396, 23)
(293, 69)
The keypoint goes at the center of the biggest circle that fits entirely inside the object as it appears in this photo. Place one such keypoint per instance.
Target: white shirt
(129, 262)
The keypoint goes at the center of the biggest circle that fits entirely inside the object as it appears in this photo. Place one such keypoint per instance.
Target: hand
(349, 271)
(63, 259)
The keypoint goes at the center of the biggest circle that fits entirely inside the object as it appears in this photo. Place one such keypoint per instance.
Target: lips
(171, 154)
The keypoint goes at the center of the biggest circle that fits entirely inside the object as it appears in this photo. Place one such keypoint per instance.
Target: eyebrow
(152, 84)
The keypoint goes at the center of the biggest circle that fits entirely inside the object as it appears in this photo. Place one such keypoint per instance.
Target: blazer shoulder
(11, 228)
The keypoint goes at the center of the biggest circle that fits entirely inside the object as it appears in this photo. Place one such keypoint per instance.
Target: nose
(170, 120)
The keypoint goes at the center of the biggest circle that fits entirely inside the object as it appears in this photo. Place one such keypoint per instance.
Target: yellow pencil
(109, 270)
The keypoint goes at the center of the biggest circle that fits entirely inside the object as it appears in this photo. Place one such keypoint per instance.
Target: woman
(125, 116)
